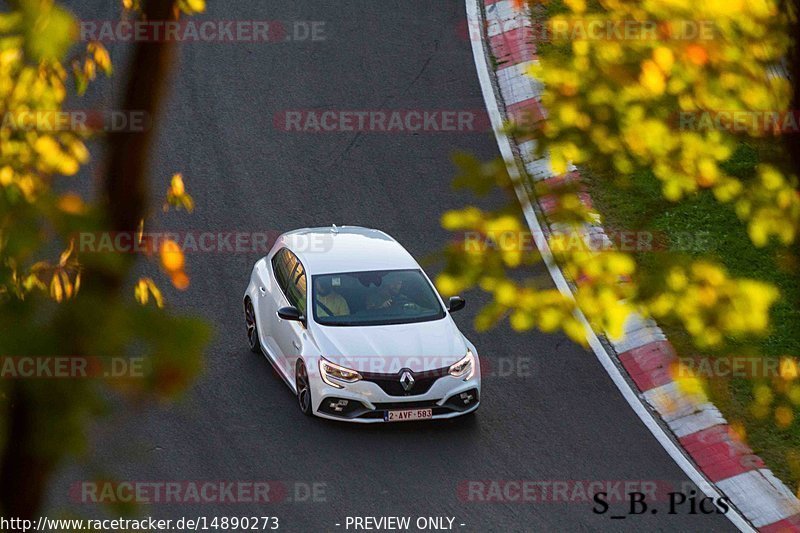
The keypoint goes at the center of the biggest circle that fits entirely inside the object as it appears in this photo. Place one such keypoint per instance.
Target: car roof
(332, 249)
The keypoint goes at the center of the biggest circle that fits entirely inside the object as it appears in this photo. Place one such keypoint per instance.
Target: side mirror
(291, 313)
(456, 303)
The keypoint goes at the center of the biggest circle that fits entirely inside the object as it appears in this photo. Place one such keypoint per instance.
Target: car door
(271, 288)
(289, 334)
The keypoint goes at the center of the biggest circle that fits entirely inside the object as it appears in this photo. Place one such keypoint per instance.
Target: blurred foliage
(616, 102)
(68, 307)
(615, 105)
(613, 102)
(489, 246)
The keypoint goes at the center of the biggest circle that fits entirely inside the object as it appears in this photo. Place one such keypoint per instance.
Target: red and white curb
(688, 426)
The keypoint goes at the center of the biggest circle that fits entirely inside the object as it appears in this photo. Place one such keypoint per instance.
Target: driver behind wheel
(328, 301)
(388, 296)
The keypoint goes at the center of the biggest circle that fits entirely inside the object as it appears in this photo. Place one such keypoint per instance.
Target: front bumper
(366, 402)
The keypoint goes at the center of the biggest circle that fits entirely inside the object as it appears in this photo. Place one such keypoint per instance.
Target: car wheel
(303, 388)
(252, 330)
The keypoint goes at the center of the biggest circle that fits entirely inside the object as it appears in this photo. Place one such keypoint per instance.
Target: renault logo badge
(407, 380)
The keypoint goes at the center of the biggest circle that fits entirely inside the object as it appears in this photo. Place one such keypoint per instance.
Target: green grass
(638, 204)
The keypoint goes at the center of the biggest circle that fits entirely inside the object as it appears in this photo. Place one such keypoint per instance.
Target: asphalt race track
(558, 419)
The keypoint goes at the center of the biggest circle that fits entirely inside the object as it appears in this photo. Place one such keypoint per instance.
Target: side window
(291, 277)
(281, 268)
(297, 289)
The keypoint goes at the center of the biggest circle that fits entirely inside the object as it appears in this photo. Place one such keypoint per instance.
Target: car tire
(252, 329)
(303, 388)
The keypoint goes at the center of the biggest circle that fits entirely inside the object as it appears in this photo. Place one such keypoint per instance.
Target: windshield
(374, 298)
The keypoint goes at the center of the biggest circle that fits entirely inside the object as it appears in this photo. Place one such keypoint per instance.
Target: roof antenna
(334, 229)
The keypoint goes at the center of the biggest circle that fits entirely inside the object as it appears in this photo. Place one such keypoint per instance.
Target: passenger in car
(328, 301)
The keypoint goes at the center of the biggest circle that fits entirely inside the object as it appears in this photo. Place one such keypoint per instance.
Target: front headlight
(465, 368)
(329, 371)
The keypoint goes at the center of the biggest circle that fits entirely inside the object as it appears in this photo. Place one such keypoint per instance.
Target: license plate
(408, 414)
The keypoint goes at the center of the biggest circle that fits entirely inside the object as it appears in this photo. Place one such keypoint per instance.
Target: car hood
(388, 349)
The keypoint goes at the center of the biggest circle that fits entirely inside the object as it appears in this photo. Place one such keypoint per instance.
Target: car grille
(392, 385)
(387, 406)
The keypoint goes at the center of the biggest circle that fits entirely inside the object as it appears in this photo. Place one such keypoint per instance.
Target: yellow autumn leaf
(180, 280)
(56, 290)
(101, 57)
(66, 284)
(177, 187)
(145, 288)
(71, 203)
(141, 292)
(652, 78)
(172, 258)
(65, 255)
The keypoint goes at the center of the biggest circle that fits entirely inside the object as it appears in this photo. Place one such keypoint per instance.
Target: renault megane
(357, 331)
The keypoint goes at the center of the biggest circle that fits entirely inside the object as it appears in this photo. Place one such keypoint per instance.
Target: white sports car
(355, 328)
